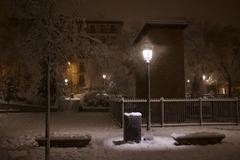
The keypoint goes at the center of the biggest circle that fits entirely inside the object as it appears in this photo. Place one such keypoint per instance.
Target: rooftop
(159, 24)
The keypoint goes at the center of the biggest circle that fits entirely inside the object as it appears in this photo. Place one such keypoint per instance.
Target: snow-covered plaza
(18, 131)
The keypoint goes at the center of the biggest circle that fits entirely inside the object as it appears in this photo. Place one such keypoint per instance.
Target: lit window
(223, 91)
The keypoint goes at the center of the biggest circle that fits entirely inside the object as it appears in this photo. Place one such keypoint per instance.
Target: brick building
(167, 65)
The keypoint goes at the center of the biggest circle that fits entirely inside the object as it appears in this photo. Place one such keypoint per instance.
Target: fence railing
(175, 112)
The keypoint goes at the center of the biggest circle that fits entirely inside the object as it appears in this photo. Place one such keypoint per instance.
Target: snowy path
(17, 133)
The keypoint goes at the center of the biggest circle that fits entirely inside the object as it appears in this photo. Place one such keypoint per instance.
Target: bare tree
(52, 38)
(226, 43)
(214, 49)
(120, 64)
(50, 41)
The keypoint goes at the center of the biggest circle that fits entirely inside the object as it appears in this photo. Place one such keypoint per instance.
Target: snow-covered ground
(18, 130)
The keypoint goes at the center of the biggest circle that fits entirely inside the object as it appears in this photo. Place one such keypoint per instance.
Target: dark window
(81, 80)
(92, 28)
(79, 26)
(103, 29)
(103, 39)
(81, 67)
(113, 37)
(112, 28)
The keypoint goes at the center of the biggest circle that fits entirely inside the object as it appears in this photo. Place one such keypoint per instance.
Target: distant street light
(104, 76)
(204, 77)
(66, 81)
(147, 55)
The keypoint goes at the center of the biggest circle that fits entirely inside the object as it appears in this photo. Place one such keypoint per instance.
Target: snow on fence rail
(177, 112)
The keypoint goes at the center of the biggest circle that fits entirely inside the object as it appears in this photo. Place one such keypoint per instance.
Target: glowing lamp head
(104, 76)
(147, 54)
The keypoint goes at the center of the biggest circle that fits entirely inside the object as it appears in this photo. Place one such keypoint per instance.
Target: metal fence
(175, 112)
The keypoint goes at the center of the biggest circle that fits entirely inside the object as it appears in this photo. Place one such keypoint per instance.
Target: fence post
(162, 108)
(201, 111)
(122, 124)
(237, 110)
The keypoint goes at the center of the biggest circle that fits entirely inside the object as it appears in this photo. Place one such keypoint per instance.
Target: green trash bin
(132, 126)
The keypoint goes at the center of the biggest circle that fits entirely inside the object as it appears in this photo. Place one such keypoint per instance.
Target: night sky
(225, 12)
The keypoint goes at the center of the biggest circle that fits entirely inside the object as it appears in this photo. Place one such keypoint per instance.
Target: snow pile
(158, 143)
(18, 155)
(17, 142)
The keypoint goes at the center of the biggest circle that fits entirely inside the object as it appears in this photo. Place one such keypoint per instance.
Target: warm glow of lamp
(69, 63)
(66, 81)
(104, 76)
(188, 81)
(204, 77)
(147, 54)
(223, 91)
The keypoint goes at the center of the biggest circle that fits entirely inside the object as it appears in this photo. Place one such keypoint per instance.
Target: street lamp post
(71, 77)
(147, 55)
(104, 76)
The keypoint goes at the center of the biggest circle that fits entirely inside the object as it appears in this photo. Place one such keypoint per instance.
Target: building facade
(167, 65)
(83, 73)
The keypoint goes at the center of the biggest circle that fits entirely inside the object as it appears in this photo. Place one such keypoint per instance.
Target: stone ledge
(198, 138)
(64, 141)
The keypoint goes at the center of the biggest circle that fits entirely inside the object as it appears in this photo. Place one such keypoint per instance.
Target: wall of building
(167, 67)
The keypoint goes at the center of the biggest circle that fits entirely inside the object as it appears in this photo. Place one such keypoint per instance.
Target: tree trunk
(8, 103)
(47, 127)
